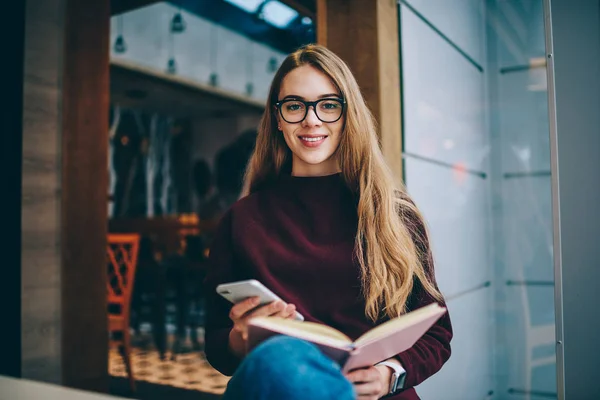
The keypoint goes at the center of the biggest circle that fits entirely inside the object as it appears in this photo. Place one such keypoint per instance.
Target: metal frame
(558, 281)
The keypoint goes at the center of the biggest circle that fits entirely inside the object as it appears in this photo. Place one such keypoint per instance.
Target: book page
(400, 323)
(301, 328)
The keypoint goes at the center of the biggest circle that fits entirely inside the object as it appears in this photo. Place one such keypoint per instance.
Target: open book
(378, 344)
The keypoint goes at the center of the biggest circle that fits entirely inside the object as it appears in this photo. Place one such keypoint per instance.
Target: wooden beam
(364, 33)
(322, 22)
(85, 109)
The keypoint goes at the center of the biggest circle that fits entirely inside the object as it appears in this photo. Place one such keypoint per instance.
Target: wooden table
(23, 389)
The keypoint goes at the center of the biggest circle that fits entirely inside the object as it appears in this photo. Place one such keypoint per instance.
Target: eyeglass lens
(327, 110)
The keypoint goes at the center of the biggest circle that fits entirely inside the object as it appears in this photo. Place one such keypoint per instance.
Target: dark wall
(10, 161)
(63, 323)
(575, 64)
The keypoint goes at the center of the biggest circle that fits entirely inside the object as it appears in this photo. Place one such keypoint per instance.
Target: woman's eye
(294, 107)
(330, 105)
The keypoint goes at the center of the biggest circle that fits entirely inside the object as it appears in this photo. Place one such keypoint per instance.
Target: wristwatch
(398, 376)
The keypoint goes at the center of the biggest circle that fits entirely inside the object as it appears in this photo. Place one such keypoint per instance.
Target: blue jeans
(283, 367)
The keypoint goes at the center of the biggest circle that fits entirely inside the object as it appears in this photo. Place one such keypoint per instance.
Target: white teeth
(313, 139)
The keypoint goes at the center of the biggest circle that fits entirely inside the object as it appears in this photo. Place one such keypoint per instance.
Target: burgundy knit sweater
(297, 238)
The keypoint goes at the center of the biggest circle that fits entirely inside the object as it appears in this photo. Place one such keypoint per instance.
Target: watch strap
(398, 376)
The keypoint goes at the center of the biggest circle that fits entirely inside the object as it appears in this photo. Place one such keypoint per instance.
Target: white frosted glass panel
(527, 224)
(443, 99)
(238, 61)
(261, 73)
(530, 361)
(455, 206)
(232, 59)
(523, 119)
(468, 373)
(461, 21)
(192, 49)
(146, 44)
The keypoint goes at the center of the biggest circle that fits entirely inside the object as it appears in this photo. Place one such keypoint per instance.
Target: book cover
(380, 343)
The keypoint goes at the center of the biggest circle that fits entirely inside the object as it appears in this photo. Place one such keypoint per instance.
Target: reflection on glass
(477, 161)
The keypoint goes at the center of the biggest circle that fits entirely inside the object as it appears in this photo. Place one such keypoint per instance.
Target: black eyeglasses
(327, 110)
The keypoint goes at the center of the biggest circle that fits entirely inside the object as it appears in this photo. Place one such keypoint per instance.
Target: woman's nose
(311, 117)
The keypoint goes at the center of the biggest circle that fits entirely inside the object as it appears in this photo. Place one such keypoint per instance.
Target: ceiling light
(120, 45)
(178, 23)
(278, 14)
(214, 79)
(172, 66)
(272, 66)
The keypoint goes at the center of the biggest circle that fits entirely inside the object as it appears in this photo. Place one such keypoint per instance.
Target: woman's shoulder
(239, 212)
(251, 202)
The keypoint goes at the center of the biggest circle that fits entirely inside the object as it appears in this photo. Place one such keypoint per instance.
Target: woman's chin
(313, 163)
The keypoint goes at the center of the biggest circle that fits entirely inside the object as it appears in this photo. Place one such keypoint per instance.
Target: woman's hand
(370, 383)
(244, 311)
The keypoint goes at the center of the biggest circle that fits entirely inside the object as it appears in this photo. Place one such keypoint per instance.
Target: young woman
(323, 226)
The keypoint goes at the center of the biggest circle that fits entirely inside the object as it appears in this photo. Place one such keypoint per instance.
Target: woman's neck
(325, 168)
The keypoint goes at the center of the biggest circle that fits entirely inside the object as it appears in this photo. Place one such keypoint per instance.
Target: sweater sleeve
(218, 324)
(431, 351)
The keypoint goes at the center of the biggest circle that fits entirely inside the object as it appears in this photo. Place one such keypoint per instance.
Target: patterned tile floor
(188, 370)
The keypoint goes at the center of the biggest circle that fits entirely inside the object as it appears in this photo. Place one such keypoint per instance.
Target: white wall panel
(455, 206)
(468, 373)
(523, 121)
(459, 20)
(444, 103)
(527, 223)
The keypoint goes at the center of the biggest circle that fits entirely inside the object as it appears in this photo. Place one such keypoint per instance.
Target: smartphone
(241, 290)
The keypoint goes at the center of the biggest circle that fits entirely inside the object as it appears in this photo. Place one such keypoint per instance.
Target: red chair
(122, 254)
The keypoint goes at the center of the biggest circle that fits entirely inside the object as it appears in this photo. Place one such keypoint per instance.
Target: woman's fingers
(368, 390)
(242, 308)
(272, 308)
(248, 309)
(245, 310)
(289, 311)
(363, 375)
(367, 383)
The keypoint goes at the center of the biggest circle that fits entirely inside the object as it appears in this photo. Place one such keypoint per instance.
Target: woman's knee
(283, 352)
(292, 346)
(286, 367)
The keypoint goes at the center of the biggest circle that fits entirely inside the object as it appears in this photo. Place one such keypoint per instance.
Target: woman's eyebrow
(323, 96)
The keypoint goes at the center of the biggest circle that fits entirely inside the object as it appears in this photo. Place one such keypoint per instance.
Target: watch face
(394, 382)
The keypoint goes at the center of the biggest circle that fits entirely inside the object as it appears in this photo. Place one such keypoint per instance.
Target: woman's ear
(277, 118)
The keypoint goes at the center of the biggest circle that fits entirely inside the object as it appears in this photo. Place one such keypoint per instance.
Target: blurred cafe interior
(188, 83)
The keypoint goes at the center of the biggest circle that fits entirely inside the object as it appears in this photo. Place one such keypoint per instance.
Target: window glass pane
(477, 161)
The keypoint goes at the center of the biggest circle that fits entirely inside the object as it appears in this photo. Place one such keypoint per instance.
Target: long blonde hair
(389, 257)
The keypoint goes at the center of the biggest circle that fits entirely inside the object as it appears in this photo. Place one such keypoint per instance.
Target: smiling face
(313, 142)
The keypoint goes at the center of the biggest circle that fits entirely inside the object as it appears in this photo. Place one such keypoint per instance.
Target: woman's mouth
(312, 141)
